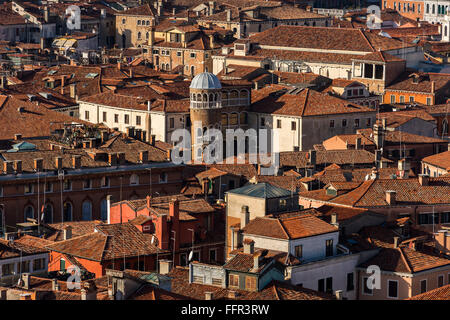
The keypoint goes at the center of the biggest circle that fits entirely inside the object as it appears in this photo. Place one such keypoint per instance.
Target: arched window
(48, 213)
(205, 97)
(87, 210)
(146, 36)
(139, 35)
(134, 179)
(29, 212)
(224, 119)
(244, 94)
(148, 22)
(199, 97)
(67, 211)
(445, 127)
(233, 118)
(211, 97)
(104, 210)
(192, 70)
(139, 22)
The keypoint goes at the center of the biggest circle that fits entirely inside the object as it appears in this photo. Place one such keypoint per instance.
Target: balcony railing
(205, 104)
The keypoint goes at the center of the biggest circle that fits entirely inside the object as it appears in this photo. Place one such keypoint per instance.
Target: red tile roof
(442, 293)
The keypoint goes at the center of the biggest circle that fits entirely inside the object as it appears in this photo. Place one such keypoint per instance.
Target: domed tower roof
(205, 81)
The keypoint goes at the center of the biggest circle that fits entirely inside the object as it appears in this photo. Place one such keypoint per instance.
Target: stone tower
(205, 107)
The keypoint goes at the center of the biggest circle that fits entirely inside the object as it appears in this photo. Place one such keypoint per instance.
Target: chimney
(174, 210)
(433, 86)
(442, 241)
(26, 280)
(42, 43)
(209, 295)
(378, 157)
(46, 15)
(73, 90)
(358, 143)
(67, 233)
(103, 13)
(38, 164)
(143, 156)
(249, 246)
(159, 10)
(229, 16)
(174, 11)
(165, 266)
(245, 216)
(334, 219)
(76, 161)
(8, 167)
(232, 294)
(18, 166)
(338, 294)
(108, 208)
(55, 285)
(58, 163)
(169, 155)
(119, 65)
(396, 242)
(378, 135)
(149, 202)
(151, 37)
(390, 197)
(18, 136)
(121, 158)
(131, 72)
(256, 258)
(152, 139)
(423, 179)
(211, 41)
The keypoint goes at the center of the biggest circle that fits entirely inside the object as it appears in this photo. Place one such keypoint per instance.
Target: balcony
(205, 104)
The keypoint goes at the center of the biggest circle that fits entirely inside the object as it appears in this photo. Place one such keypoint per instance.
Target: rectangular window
(116, 118)
(193, 55)
(356, 123)
(138, 120)
(196, 256)
(86, 115)
(440, 281)
(250, 283)
(423, 286)
(183, 259)
(126, 119)
(178, 53)
(104, 117)
(366, 289)
(233, 280)
(331, 123)
(392, 98)
(329, 284)
(163, 178)
(445, 217)
(293, 126)
(67, 185)
(38, 264)
(299, 251)
(361, 92)
(402, 99)
(344, 123)
(62, 264)
(321, 285)
(29, 187)
(429, 101)
(411, 98)
(329, 247)
(350, 281)
(212, 255)
(87, 184)
(263, 122)
(48, 187)
(171, 123)
(105, 182)
(279, 124)
(392, 289)
(7, 269)
(368, 122)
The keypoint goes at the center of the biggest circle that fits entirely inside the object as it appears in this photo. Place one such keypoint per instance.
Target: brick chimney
(152, 139)
(442, 238)
(391, 197)
(112, 159)
(249, 246)
(174, 210)
(17, 136)
(358, 143)
(73, 90)
(76, 161)
(245, 216)
(38, 164)
(67, 233)
(423, 179)
(433, 86)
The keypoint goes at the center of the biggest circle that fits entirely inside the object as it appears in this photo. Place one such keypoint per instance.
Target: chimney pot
(245, 216)
(67, 233)
(391, 197)
(396, 242)
(423, 179)
(249, 246)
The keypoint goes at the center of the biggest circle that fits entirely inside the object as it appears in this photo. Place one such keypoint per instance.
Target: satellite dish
(191, 255)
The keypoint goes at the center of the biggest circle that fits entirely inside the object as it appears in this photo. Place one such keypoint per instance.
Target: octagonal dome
(205, 81)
